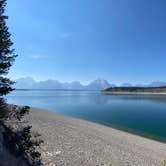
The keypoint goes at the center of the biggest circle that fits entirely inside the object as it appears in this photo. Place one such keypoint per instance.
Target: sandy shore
(74, 142)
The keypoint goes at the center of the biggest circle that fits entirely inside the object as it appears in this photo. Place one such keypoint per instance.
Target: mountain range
(30, 83)
(98, 84)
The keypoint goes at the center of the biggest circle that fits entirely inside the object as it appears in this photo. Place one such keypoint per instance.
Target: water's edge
(117, 127)
(143, 115)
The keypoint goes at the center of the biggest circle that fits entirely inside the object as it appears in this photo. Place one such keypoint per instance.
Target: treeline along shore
(135, 90)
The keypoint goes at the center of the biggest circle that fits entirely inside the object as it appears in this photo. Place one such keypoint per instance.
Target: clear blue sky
(119, 40)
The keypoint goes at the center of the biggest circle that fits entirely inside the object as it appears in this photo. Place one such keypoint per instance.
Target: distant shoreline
(133, 93)
(135, 90)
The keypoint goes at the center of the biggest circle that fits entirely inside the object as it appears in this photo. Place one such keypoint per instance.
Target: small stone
(57, 153)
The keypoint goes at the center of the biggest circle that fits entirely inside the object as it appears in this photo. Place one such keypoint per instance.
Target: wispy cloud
(36, 56)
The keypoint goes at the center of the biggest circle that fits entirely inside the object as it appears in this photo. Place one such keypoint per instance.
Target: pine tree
(7, 56)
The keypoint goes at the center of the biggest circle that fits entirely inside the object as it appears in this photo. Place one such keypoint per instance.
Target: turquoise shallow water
(141, 114)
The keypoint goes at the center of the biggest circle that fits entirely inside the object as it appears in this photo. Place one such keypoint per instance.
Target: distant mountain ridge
(30, 83)
(98, 84)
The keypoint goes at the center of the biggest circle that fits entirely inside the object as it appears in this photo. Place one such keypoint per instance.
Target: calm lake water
(141, 114)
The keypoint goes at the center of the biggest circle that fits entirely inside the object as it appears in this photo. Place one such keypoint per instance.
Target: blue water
(141, 114)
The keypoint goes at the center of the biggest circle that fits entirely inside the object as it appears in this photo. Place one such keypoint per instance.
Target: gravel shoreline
(74, 142)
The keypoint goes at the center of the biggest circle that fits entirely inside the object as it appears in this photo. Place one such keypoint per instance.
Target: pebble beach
(74, 142)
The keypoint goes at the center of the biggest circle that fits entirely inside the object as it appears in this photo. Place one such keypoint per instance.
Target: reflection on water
(142, 114)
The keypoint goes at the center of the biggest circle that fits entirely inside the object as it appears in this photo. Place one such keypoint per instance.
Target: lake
(144, 115)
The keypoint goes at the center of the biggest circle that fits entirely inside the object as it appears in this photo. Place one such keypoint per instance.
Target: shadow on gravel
(18, 146)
